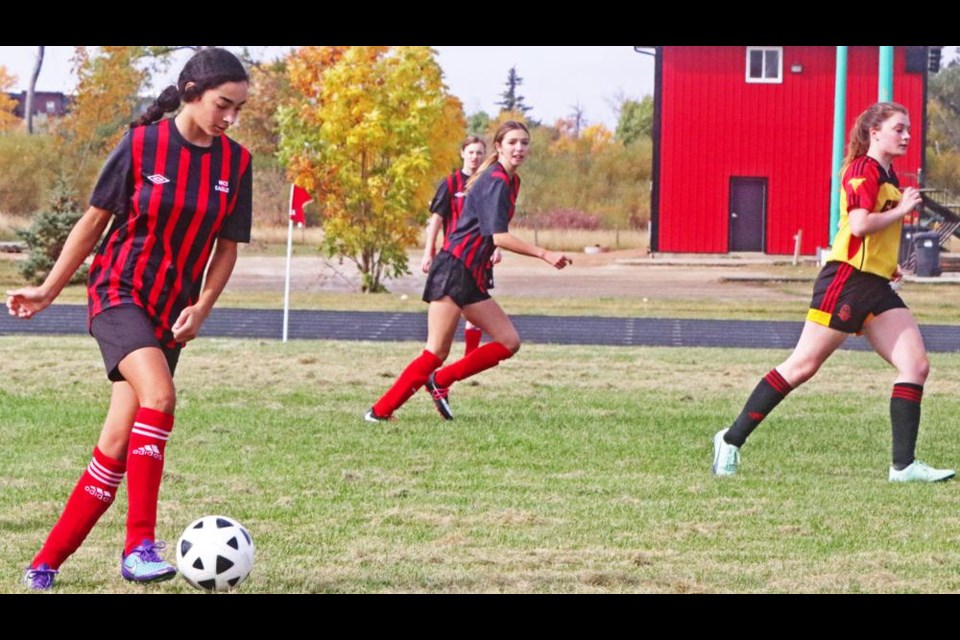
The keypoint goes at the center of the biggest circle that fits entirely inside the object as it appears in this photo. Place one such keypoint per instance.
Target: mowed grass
(568, 469)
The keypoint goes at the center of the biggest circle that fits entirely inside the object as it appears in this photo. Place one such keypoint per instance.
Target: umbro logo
(158, 179)
(460, 194)
(98, 493)
(150, 450)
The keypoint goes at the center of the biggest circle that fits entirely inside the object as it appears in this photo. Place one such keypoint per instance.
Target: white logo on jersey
(158, 179)
(460, 194)
(222, 185)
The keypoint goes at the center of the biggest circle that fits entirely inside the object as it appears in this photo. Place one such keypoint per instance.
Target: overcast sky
(555, 79)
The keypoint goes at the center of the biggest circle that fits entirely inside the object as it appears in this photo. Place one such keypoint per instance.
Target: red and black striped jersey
(448, 201)
(866, 185)
(488, 208)
(171, 200)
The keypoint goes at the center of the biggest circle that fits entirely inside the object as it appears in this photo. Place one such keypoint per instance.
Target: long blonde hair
(505, 128)
(875, 115)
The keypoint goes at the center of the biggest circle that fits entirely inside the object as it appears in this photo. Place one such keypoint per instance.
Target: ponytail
(167, 101)
(489, 160)
(872, 118)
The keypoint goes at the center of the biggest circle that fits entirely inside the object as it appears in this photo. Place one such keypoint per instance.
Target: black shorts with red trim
(450, 277)
(846, 299)
(123, 329)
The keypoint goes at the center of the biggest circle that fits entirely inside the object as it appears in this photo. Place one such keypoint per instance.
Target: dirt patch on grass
(599, 275)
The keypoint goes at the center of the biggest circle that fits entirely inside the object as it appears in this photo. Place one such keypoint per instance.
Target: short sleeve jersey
(866, 185)
(448, 201)
(487, 209)
(171, 200)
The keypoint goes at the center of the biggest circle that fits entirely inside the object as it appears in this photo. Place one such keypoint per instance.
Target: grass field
(568, 469)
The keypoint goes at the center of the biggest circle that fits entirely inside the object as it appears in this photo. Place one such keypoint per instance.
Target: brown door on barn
(748, 214)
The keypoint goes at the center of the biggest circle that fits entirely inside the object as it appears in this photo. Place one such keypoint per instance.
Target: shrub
(47, 234)
(26, 172)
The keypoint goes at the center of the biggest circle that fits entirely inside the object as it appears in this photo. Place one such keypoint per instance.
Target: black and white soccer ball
(215, 553)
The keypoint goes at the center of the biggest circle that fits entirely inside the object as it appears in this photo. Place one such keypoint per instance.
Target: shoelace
(148, 552)
(440, 393)
(44, 575)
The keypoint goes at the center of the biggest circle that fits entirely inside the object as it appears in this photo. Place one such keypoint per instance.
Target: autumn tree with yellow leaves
(108, 83)
(369, 132)
(8, 121)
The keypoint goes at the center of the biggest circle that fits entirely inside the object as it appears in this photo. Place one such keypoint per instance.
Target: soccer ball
(215, 553)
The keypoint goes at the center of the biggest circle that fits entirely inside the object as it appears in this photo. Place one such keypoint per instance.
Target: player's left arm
(221, 266)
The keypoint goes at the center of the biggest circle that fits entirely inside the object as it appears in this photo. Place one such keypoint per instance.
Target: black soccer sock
(767, 395)
(905, 422)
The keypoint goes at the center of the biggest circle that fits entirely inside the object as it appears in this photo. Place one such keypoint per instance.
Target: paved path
(390, 326)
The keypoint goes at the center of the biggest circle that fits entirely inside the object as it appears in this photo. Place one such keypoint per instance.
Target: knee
(799, 371)
(917, 369)
(440, 352)
(512, 345)
(163, 399)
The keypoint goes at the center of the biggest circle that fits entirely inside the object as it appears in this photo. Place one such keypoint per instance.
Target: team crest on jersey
(844, 313)
(223, 185)
(158, 179)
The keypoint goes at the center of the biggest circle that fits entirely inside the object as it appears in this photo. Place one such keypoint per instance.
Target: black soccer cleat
(439, 395)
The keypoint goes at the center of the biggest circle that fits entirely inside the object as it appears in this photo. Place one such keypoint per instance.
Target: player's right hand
(26, 302)
(425, 262)
(556, 259)
(910, 200)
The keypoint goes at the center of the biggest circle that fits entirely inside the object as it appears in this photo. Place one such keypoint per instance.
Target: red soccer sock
(412, 378)
(148, 440)
(90, 499)
(489, 355)
(472, 337)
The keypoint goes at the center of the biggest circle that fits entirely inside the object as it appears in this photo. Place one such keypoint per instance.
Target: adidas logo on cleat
(151, 450)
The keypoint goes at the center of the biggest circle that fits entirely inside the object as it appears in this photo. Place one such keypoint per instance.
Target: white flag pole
(286, 288)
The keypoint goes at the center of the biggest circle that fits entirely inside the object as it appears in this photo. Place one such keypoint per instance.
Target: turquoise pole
(839, 126)
(885, 90)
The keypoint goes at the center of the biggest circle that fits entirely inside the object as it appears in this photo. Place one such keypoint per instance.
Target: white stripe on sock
(150, 432)
(114, 475)
(99, 477)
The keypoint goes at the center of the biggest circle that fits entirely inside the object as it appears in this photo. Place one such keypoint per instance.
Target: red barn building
(743, 142)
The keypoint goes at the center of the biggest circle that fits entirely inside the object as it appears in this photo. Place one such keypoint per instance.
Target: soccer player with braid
(445, 209)
(852, 295)
(459, 276)
(179, 193)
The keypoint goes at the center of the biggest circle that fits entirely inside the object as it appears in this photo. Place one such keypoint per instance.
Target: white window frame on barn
(766, 76)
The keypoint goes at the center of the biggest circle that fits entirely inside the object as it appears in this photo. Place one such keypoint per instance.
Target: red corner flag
(298, 198)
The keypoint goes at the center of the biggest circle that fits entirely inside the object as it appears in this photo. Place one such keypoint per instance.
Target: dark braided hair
(207, 69)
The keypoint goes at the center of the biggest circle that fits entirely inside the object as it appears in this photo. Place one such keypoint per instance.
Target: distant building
(743, 140)
(53, 104)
